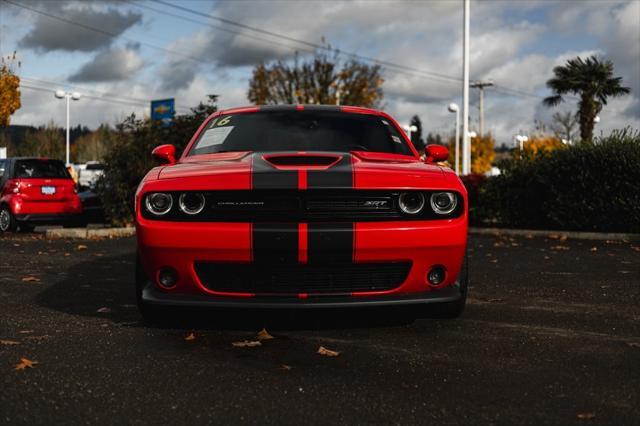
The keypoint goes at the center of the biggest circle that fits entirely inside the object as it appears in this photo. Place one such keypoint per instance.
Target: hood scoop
(302, 160)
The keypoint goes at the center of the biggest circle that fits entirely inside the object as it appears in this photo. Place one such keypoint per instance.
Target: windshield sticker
(223, 121)
(215, 136)
(396, 139)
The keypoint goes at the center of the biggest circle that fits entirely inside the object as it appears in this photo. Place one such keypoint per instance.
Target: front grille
(299, 278)
(301, 206)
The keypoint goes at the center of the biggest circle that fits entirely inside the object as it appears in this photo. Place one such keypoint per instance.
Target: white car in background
(89, 174)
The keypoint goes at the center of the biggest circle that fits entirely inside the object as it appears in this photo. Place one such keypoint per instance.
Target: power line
(124, 102)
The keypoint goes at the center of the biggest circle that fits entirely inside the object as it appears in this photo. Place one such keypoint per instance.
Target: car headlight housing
(411, 202)
(191, 203)
(443, 203)
(159, 203)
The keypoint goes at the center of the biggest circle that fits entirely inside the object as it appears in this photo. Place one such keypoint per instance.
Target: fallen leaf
(9, 342)
(16, 245)
(246, 344)
(104, 310)
(67, 254)
(563, 238)
(81, 247)
(593, 249)
(31, 279)
(264, 335)
(495, 300)
(553, 236)
(547, 258)
(494, 261)
(25, 363)
(25, 331)
(559, 248)
(585, 416)
(633, 344)
(327, 352)
(635, 248)
(529, 236)
(285, 367)
(190, 337)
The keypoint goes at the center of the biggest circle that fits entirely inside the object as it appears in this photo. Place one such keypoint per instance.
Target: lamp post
(466, 144)
(60, 94)
(521, 139)
(410, 129)
(454, 108)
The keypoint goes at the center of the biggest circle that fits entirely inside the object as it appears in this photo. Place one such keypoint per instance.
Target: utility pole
(466, 145)
(480, 85)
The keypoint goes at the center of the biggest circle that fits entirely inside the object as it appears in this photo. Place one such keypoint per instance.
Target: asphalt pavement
(551, 335)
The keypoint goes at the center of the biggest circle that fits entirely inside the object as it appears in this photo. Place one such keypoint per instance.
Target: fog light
(436, 275)
(167, 277)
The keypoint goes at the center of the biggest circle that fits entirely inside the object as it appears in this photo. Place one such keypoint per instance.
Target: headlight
(159, 203)
(443, 202)
(191, 202)
(411, 202)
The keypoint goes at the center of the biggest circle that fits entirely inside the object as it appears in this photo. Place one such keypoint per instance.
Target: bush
(128, 158)
(586, 187)
(474, 183)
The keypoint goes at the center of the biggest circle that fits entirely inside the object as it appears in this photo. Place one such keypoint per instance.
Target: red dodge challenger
(300, 206)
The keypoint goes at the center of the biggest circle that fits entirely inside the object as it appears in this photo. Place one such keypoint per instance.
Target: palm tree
(592, 80)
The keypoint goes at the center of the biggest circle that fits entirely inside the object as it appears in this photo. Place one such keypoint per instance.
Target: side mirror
(165, 154)
(436, 153)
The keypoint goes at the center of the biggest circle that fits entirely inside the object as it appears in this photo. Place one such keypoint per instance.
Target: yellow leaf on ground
(25, 363)
(31, 279)
(246, 344)
(327, 352)
(264, 335)
(9, 342)
(285, 367)
(82, 247)
(190, 337)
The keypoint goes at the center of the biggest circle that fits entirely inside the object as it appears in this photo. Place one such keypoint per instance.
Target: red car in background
(36, 191)
(301, 206)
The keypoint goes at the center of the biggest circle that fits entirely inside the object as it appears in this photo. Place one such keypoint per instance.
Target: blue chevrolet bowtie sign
(163, 110)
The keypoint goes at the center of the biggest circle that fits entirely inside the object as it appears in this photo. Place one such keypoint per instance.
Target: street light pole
(480, 85)
(410, 129)
(454, 108)
(466, 147)
(68, 96)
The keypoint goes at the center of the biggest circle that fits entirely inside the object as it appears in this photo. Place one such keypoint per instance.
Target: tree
(416, 137)
(537, 146)
(592, 80)
(9, 89)
(320, 80)
(563, 125)
(433, 139)
(93, 146)
(47, 141)
(482, 153)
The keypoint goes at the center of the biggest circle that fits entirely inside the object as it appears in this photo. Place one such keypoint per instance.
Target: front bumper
(180, 246)
(153, 296)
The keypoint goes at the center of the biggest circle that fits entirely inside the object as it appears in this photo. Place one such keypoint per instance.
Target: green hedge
(586, 187)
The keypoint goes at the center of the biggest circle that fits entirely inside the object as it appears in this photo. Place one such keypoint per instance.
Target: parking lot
(551, 335)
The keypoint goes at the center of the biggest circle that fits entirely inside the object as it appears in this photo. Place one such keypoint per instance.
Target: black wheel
(26, 227)
(453, 309)
(150, 313)
(7, 221)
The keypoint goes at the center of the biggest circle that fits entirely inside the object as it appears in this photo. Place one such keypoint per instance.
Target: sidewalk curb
(600, 236)
(84, 233)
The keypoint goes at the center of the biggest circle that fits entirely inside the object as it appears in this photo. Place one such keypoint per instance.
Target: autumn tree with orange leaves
(320, 80)
(9, 89)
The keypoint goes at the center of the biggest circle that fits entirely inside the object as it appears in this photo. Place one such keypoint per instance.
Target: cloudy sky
(121, 54)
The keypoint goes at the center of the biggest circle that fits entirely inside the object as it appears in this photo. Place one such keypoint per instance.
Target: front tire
(449, 310)
(150, 313)
(8, 222)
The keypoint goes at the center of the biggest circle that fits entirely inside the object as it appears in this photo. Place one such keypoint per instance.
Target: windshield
(300, 131)
(36, 168)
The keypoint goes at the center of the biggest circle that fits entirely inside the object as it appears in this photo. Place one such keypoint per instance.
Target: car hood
(310, 170)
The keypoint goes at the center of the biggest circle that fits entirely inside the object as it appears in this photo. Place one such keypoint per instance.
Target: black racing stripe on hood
(339, 175)
(266, 176)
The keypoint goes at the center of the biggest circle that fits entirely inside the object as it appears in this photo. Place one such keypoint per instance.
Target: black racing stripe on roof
(292, 107)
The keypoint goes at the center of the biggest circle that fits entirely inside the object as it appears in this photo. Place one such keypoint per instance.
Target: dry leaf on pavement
(634, 344)
(593, 249)
(553, 236)
(9, 342)
(585, 416)
(104, 310)
(327, 352)
(190, 337)
(31, 279)
(246, 344)
(285, 367)
(559, 248)
(264, 335)
(25, 363)
(82, 247)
